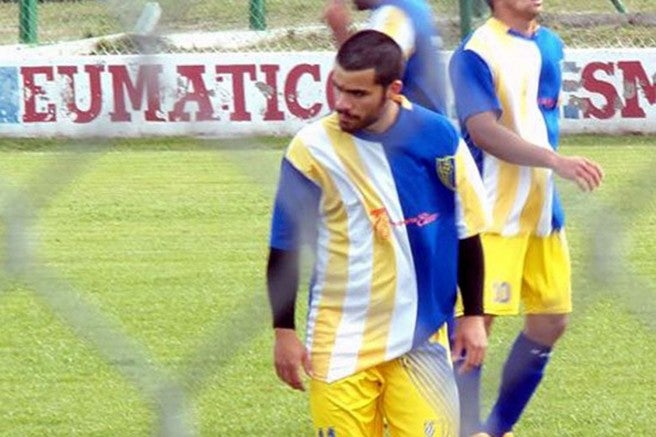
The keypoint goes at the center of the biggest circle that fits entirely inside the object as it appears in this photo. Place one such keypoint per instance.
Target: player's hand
(289, 354)
(337, 16)
(470, 338)
(586, 173)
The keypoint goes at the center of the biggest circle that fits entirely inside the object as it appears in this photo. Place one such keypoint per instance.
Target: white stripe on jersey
(523, 189)
(473, 178)
(405, 304)
(344, 356)
(544, 225)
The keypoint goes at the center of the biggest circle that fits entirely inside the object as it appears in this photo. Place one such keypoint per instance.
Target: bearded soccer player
(388, 197)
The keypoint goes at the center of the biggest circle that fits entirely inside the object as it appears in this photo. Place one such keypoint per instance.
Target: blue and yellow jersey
(410, 23)
(519, 78)
(383, 214)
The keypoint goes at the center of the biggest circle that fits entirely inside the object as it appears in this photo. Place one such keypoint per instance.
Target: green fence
(265, 25)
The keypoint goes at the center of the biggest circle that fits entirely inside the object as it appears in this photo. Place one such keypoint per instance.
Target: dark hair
(372, 49)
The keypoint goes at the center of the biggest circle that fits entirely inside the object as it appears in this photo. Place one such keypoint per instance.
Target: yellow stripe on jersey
(530, 216)
(396, 24)
(381, 301)
(506, 193)
(474, 212)
(334, 285)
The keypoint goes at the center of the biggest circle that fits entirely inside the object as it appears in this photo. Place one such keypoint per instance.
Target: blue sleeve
(473, 85)
(295, 209)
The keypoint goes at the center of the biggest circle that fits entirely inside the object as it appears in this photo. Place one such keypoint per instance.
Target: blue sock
(522, 373)
(469, 386)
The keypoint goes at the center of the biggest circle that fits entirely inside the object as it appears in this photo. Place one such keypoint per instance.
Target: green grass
(167, 238)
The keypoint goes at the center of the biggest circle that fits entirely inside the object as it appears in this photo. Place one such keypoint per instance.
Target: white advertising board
(240, 94)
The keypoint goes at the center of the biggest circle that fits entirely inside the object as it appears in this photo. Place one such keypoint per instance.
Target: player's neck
(387, 118)
(523, 25)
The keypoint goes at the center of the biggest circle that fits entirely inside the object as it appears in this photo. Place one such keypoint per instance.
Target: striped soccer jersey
(384, 214)
(410, 23)
(519, 78)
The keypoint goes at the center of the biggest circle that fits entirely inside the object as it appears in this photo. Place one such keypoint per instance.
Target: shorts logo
(501, 292)
(327, 432)
(429, 428)
(445, 168)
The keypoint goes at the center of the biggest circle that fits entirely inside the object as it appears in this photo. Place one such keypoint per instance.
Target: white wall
(610, 91)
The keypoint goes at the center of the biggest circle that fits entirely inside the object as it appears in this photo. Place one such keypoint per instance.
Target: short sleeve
(472, 210)
(295, 207)
(473, 85)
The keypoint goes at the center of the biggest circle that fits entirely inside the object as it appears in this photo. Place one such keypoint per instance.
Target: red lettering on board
(198, 94)
(95, 92)
(239, 112)
(291, 90)
(270, 91)
(636, 79)
(147, 82)
(30, 92)
(606, 89)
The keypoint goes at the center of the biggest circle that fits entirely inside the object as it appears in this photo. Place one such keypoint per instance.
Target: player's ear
(395, 88)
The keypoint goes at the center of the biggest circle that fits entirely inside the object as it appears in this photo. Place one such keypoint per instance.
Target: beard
(350, 123)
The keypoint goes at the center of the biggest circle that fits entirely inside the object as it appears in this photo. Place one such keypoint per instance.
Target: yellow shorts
(535, 271)
(413, 395)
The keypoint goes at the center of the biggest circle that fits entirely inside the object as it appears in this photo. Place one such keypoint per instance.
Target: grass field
(162, 243)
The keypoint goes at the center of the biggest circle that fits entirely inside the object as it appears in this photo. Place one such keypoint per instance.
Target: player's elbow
(484, 130)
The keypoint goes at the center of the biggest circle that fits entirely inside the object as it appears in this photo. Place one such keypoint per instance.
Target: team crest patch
(446, 171)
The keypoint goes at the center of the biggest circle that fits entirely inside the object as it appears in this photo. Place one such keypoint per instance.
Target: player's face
(525, 9)
(359, 101)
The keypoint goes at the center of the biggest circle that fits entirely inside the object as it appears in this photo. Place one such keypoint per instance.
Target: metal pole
(619, 5)
(257, 18)
(27, 22)
(465, 17)
(479, 9)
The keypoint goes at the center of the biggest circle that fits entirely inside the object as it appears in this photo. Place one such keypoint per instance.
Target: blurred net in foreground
(223, 26)
(283, 25)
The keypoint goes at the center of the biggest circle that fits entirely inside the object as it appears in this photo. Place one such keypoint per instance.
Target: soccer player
(389, 199)
(507, 80)
(411, 24)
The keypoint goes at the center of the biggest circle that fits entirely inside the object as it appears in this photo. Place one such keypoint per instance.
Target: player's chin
(348, 125)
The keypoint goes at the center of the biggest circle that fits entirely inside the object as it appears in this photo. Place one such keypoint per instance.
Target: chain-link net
(280, 25)
(232, 25)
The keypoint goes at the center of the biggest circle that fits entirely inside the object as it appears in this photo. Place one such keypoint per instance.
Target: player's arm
(337, 16)
(296, 195)
(282, 284)
(479, 110)
(472, 218)
(491, 136)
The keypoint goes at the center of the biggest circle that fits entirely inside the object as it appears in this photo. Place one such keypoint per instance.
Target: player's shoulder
(434, 126)
(549, 35)
(480, 41)
(308, 135)
(548, 32)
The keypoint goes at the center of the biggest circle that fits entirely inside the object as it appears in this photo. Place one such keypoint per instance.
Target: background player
(411, 24)
(507, 80)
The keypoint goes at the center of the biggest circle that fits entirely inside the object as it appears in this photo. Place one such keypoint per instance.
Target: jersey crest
(445, 168)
